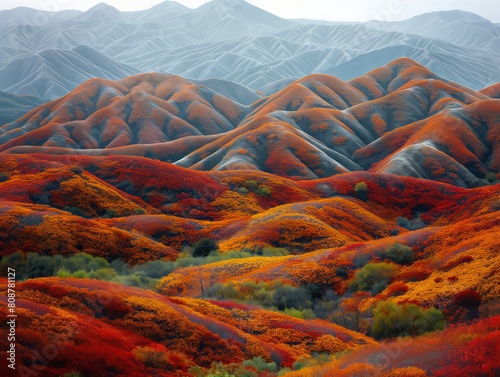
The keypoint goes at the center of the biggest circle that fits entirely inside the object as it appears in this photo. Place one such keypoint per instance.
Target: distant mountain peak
(169, 4)
(104, 6)
(228, 2)
(102, 10)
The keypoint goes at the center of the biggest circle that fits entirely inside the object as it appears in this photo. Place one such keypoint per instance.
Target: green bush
(251, 185)
(301, 314)
(225, 292)
(77, 169)
(415, 224)
(75, 211)
(274, 252)
(373, 277)
(110, 214)
(40, 266)
(398, 253)
(260, 365)
(392, 320)
(263, 191)
(286, 297)
(4, 176)
(204, 247)
(273, 294)
(361, 191)
(490, 177)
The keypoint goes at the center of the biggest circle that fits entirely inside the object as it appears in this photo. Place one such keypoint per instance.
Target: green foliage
(204, 247)
(263, 191)
(361, 191)
(392, 320)
(226, 291)
(398, 253)
(38, 266)
(249, 368)
(271, 295)
(490, 177)
(254, 186)
(72, 374)
(82, 265)
(287, 296)
(251, 185)
(301, 314)
(274, 252)
(77, 169)
(110, 213)
(16, 261)
(75, 211)
(260, 365)
(242, 190)
(373, 277)
(311, 361)
(267, 251)
(415, 224)
(4, 176)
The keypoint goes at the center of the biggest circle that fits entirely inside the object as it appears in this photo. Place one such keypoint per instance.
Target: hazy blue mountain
(51, 73)
(457, 27)
(13, 107)
(232, 40)
(30, 16)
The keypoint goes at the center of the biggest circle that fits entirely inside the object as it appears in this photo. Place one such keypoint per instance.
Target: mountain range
(222, 192)
(48, 54)
(397, 119)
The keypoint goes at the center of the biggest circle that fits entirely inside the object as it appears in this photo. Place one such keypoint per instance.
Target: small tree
(373, 277)
(392, 320)
(361, 191)
(251, 185)
(204, 247)
(351, 313)
(398, 253)
(491, 177)
(263, 191)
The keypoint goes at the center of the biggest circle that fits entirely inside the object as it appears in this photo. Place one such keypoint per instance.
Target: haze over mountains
(50, 54)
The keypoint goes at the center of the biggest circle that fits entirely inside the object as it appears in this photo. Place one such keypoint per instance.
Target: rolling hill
(398, 119)
(293, 198)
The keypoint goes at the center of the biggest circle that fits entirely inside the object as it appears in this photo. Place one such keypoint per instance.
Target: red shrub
(456, 262)
(468, 299)
(396, 289)
(414, 275)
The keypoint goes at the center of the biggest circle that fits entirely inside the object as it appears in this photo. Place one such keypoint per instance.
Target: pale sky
(333, 10)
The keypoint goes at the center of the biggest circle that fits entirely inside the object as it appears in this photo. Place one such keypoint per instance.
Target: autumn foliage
(331, 229)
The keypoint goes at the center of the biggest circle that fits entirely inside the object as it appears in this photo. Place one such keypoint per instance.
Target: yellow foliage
(329, 344)
(407, 372)
(234, 205)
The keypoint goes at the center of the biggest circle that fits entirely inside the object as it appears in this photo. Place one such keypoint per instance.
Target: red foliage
(479, 357)
(457, 262)
(396, 289)
(414, 274)
(468, 299)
